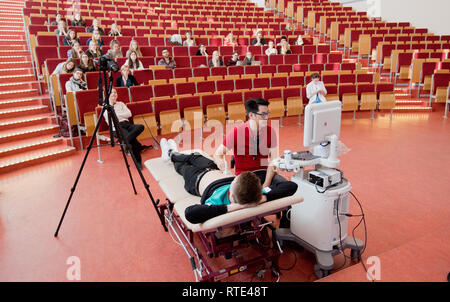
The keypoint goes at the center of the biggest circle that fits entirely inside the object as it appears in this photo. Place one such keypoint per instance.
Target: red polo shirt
(243, 142)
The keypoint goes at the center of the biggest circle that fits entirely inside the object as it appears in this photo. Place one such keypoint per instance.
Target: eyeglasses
(264, 114)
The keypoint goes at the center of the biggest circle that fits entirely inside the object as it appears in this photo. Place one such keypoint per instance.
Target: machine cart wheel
(355, 254)
(320, 273)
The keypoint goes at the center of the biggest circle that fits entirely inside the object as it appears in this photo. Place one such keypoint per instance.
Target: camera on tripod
(105, 63)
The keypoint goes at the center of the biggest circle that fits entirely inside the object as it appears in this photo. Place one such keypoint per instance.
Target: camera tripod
(113, 121)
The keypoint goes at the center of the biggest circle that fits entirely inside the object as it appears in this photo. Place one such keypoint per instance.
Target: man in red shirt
(253, 143)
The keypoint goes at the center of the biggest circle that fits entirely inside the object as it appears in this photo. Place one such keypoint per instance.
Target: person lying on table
(221, 193)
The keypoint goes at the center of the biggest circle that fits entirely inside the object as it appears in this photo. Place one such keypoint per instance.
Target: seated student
(271, 50)
(114, 31)
(130, 131)
(133, 62)
(114, 51)
(299, 40)
(215, 61)
(285, 48)
(201, 51)
(94, 50)
(77, 20)
(234, 59)
(86, 63)
(126, 79)
(62, 29)
(229, 40)
(71, 38)
(282, 41)
(259, 40)
(96, 36)
(58, 18)
(220, 194)
(189, 41)
(167, 60)
(76, 51)
(288, 27)
(315, 90)
(134, 46)
(65, 67)
(96, 26)
(248, 60)
(76, 83)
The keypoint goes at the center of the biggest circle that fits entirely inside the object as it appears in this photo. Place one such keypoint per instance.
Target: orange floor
(398, 169)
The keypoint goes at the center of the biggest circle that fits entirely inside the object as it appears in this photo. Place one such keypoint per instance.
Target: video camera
(105, 63)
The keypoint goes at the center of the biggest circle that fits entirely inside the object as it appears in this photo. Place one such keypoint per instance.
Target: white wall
(431, 14)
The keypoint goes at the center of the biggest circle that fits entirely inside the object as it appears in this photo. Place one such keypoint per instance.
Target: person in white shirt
(315, 90)
(299, 40)
(271, 50)
(129, 131)
(133, 62)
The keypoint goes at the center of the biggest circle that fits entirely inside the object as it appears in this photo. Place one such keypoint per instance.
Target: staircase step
(14, 53)
(4, 95)
(23, 111)
(36, 158)
(15, 103)
(15, 58)
(25, 122)
(5, 87)
(14, 47)
(17, 67)
(4, 41)
(411, 109)
(33, 132)
(16, 78)
(29, 146)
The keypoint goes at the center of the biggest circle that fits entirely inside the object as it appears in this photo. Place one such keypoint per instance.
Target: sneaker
(172, 146)
(164, 149)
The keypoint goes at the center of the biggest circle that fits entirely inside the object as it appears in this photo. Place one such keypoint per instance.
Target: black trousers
(130, 132)
(191, 166)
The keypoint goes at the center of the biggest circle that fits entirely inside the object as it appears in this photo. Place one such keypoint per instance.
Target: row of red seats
(289, 78)
(44, 40)
(87, 100)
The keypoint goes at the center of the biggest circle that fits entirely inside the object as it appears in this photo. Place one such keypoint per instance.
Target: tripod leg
(94, 135)
(123, 141)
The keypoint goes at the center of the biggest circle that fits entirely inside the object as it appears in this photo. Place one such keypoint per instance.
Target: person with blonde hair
(97, 37)
(229, 40)
(285, 48)
(114, 31)
(215, 61)
(114, 52)
(94, 50)
(77, 20)
(299, 40)
(96, 26)
(134, 46)
(271, 50)
(126, 79)
(189, 41)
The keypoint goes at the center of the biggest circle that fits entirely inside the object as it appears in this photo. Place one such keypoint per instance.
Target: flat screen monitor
(321, 121)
